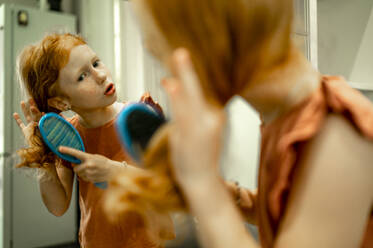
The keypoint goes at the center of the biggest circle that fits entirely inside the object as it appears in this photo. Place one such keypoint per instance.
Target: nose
(100, 75)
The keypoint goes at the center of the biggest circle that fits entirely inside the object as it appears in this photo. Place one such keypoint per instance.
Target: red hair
(38, 71)
(231, 44)
(39, 66)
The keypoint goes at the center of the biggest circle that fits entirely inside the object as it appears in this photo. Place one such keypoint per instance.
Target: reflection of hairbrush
(135, 125)
(56, 132)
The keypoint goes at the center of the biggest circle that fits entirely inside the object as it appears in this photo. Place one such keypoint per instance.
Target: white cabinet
(25, 221)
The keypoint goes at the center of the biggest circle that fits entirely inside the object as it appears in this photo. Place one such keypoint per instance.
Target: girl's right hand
(32, 115)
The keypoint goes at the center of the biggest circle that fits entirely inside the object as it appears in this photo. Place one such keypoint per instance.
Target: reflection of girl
(63, 73)
(315, 180)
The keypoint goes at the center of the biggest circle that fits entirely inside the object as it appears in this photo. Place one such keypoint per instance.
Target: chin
(115, 98)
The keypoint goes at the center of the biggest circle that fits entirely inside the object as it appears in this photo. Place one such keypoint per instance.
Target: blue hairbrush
(135, 125)
(56, 131)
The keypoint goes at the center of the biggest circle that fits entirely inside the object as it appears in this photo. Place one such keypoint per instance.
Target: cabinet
(24, 220)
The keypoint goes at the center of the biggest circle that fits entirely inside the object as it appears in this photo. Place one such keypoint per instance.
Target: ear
(59, 103)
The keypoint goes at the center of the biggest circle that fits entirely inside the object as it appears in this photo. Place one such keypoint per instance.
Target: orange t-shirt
(280, 148)
(95, 230)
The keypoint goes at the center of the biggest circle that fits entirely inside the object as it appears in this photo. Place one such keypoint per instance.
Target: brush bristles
(61, 134)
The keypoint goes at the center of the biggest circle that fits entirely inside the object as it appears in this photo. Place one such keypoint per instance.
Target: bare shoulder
(332, 192)
(340, 138)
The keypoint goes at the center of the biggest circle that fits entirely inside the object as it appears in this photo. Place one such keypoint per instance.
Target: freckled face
(86, 81)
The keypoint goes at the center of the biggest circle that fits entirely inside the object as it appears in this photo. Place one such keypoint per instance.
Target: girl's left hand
(197, 125)
(93, 167)
(147, 99)
(32, 115)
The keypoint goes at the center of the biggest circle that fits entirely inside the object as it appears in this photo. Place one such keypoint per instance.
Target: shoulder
(332, 191)
(338, 134)
(73, 119)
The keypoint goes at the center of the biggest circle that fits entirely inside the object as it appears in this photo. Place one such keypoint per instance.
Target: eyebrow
(81, 69)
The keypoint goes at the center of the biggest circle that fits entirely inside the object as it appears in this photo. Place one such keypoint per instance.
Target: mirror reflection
(334, 35)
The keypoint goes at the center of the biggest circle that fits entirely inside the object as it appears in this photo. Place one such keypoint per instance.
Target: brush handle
(56, 131)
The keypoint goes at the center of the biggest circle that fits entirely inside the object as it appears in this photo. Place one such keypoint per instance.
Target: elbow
(58, 212)
(57, 207)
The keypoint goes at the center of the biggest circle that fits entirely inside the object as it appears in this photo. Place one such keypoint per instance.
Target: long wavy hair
(231, 44)
(38, 68)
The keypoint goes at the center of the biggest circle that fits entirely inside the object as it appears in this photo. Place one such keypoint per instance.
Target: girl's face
(86, 81)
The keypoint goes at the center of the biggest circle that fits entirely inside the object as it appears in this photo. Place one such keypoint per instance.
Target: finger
(79, 169)
(34, 109)
(177, 101)
(32, 102)
(33, 105)
(82, 176)
(82, 171)
(147, 99)
(35, 113)
(187, 75)
(19, 120)
(73, 152)
(144, 97)
(26, 111)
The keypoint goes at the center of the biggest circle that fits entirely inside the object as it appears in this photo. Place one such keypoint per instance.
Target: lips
(110, 90)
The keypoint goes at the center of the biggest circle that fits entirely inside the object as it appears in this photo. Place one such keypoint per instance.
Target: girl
(63, 73)
(315, 181)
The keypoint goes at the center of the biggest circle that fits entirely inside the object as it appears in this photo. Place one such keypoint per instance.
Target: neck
(283, 87)
(97, 117)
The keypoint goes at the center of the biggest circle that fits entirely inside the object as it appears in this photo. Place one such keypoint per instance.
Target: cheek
(91, 92)
(86, 93)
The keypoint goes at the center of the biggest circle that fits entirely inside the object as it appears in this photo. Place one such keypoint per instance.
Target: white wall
(96, 25)
(341, 26)
(132, 55)
(67, 6)
(362, 70)
(29, 3)
(241, 154)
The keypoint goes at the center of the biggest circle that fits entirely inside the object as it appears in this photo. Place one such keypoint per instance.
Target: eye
(96, 63)
(82, 76)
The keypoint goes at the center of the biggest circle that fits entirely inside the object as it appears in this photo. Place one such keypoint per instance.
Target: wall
(341, 26)
(362, 68)
(241, 153)
(132, 55)
(96, 25)
(67, 6)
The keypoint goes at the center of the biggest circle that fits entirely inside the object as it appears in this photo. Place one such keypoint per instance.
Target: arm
(219, 222)
(332, 194)
(195, 143)
(56, 184)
